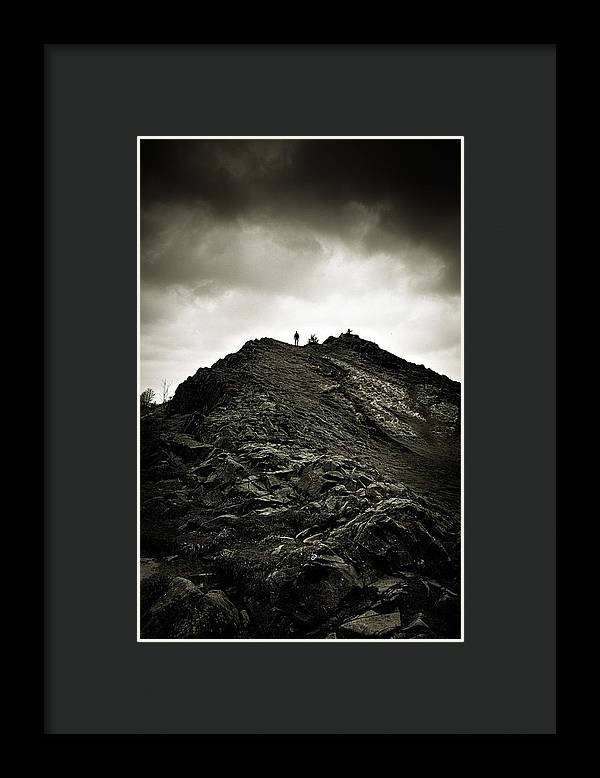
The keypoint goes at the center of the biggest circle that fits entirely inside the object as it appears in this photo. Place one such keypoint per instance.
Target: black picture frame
(99, 679)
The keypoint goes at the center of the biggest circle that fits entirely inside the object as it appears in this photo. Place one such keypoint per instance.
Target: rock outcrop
(303, 492)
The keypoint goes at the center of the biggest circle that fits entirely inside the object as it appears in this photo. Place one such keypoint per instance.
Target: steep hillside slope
(292, 492)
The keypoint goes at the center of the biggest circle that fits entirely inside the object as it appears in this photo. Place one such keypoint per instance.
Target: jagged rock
(373, 625)
(387, 585)
(305, 533)
(275, 510)
(187, 447)
(312, 538)
(310, 583)
(418, 628)
(395, 537)
(184, 610)
(306, 485)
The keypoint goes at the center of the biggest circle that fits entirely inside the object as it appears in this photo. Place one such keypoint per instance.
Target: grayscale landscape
(304, 488)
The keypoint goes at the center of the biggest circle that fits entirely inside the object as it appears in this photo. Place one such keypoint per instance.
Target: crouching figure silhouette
(296, 338)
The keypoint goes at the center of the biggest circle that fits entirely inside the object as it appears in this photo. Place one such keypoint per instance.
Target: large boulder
(310, 582)
(176, 608)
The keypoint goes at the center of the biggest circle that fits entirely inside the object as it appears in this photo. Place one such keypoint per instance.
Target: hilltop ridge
(303, 491)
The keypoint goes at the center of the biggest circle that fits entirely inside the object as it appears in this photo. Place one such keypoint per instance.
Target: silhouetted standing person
(296, 338)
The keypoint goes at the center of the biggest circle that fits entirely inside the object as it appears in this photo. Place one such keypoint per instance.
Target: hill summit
(303, 491)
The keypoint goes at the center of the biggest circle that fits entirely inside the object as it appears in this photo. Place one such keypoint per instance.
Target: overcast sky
(246, 239)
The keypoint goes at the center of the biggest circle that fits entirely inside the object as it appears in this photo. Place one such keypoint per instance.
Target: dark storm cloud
(375, 196)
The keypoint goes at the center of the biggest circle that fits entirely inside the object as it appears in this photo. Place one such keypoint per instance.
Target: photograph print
(300, 389)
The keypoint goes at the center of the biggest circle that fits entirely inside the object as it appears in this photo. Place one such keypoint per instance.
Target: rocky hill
(303, 492)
